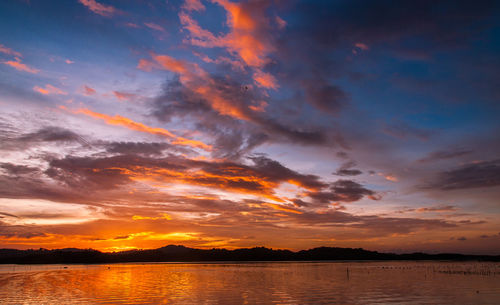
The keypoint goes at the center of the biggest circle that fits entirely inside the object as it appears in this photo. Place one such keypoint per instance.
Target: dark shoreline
(181, 254)
(250, 262)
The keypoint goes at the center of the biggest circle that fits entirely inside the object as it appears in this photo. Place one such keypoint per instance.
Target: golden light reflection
(163, 216)
(280, 207)
(119, 248)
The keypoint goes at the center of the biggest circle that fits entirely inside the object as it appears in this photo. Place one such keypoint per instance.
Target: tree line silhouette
(173, 253)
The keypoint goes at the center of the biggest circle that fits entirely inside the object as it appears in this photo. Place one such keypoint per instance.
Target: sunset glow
(297, 124)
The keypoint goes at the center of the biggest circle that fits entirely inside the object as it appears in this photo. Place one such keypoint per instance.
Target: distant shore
(181, 254)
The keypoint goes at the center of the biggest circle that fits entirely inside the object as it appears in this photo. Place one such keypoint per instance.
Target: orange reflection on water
(253, 283)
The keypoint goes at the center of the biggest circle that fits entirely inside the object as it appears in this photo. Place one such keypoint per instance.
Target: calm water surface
(253, 283)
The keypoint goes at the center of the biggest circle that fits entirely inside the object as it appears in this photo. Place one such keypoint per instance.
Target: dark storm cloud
(445, 23)
(121, 237)
(3, 215)
(342, 154)
(51, 134)
(83, 179)
(481, 174)
(140, 148)
(16, 170)
(177, 100)
(342, 191)
(379, 226)
(347, 170)
(260, 217)
(278, 172)
(22, 95)
(324, 96)
(233, 144)
(45, 215)
(350, 190)
(18, 186)
(78, 189)
(446, 208)
(437, 209)
(402, 130)
(313, 51)
(445, 155)
(392, 225)
(20, 231)
(264, 169)
(233, 137)
(46, 134)
(295, 134)
(89, 173)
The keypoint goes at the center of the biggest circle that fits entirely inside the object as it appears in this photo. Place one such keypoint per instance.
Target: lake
(253, 283)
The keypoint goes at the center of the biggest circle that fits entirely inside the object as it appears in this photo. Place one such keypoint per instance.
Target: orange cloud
(266, 80)
(261, 107)
(98, 8)
(198, 80)
(238, 18)
(119, 243)
(18, 65)
(132, 25)
(145, 65)
(243, 40)
(9, 51)
(199, 36)
(281, 23)
(190, 73)
(235, 64)
(362, 46)
(281, 207)
(186, 69)
(239, 180)
(49, 89)
(193, 5)
(154, 26)
(201, 197)
(440, 209)
(246, 38)
(389, 177)
(299, 183)
(130, 124)
(163, 216)
(123, 96)
(219, 103)
(172, 64)
(88, 90)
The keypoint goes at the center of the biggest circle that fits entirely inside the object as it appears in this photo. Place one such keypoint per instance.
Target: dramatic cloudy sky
(287, 124)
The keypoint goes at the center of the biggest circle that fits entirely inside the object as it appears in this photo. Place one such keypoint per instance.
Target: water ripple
(253, 283)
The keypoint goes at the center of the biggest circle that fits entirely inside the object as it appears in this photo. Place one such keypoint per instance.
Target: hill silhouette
(173, 253)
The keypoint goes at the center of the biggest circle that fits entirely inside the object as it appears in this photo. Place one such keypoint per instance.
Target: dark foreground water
(253, 283)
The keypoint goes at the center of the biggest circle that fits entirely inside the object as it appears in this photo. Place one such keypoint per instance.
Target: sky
(286, 124)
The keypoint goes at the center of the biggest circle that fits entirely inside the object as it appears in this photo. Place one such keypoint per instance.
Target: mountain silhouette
(177, 253)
